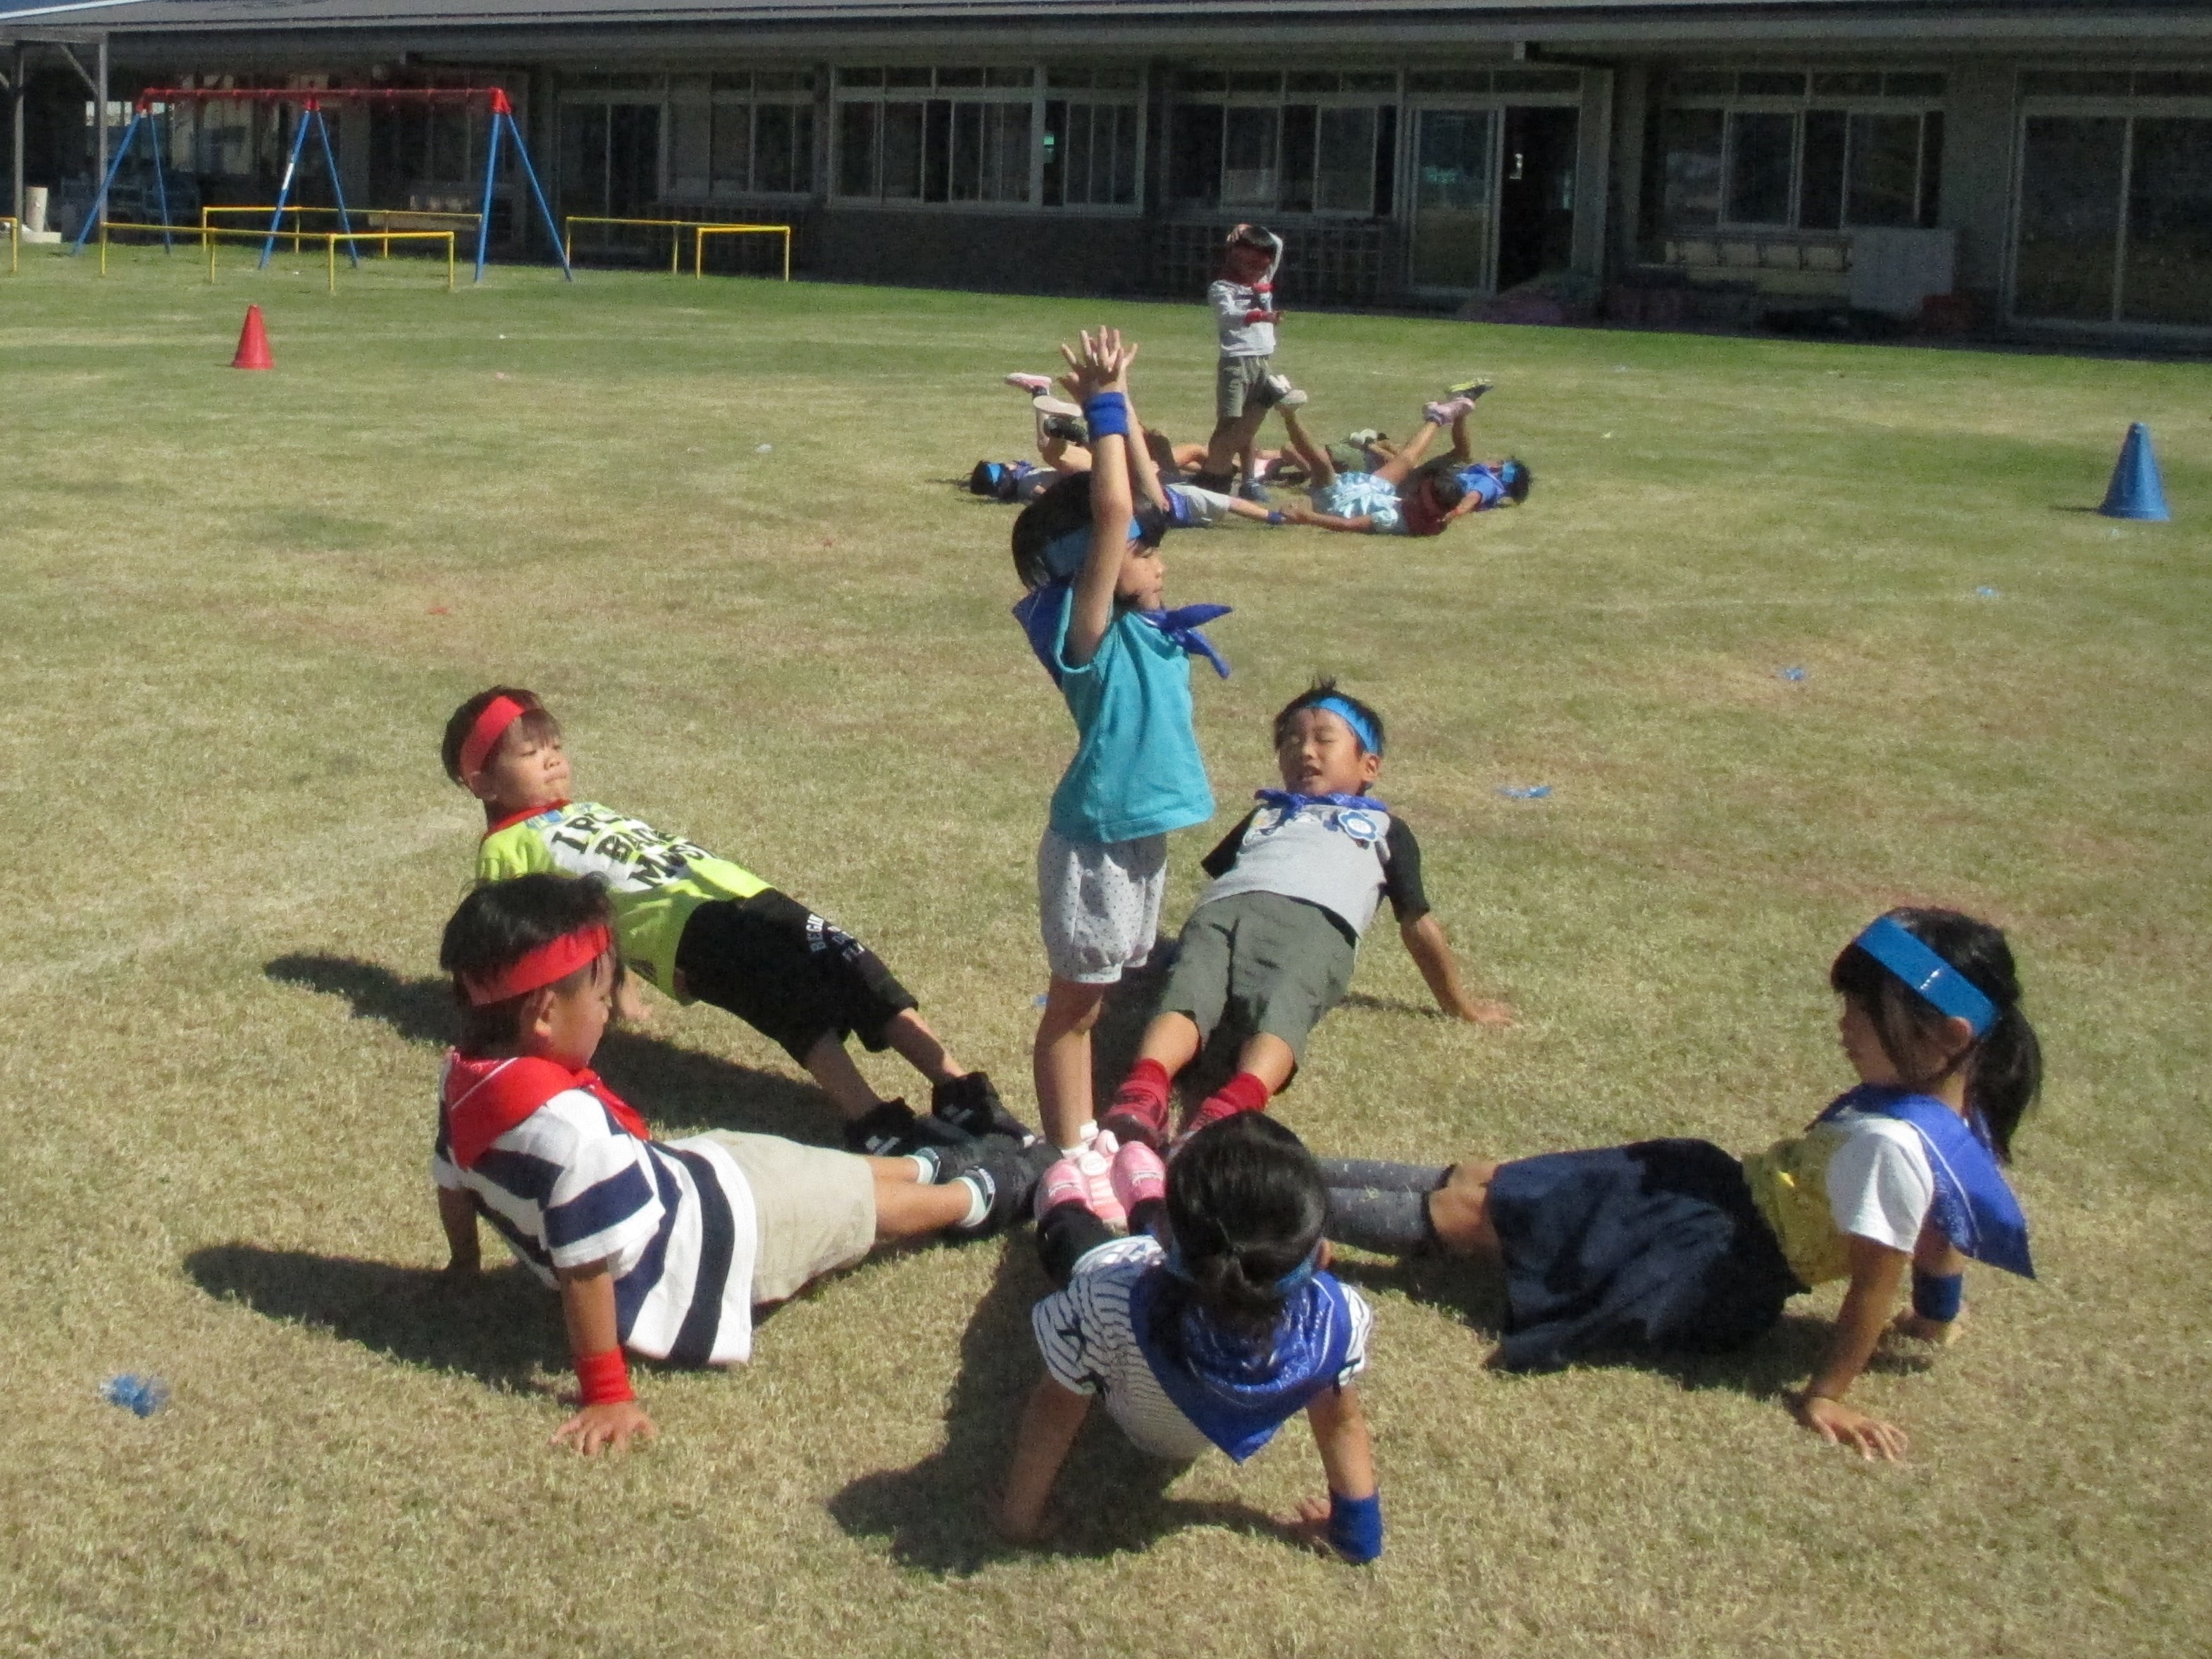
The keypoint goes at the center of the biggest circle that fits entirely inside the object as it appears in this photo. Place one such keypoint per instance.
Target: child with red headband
(661, 1248)
(703, 929)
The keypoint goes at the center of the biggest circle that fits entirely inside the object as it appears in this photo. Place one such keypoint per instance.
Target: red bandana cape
(483, 1099)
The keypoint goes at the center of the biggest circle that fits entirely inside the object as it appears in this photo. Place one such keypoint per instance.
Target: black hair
(1517, 478)
(1254, 237)
(1246, 1204)
(2007, 1061)
(1444, 486)
(1323, 688)
(500, 922)
(536, 722)
(1064, 507)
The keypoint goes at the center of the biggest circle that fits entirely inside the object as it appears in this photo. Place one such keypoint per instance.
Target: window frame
(1184, 94)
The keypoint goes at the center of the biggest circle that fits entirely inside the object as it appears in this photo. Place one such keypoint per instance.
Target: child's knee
(1459, 1209)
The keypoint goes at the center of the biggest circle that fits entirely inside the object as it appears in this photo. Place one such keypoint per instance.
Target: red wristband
(604, 1378)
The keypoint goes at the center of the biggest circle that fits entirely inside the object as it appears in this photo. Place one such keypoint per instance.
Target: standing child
(1245, 383)
(1215, 1333)
(663, 1249)
(1271, 947)
(1093, 616)
(1673, 1246)
(702, 929)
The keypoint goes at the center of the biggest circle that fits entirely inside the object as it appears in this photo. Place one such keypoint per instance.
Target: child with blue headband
(1271, 946)
(1093, 614)
(1212, 1334)
(1673, 1246)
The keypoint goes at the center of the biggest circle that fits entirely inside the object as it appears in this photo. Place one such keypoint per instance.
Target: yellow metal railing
(211, 239)
(378, 225)
(700, 233)
(701, 229)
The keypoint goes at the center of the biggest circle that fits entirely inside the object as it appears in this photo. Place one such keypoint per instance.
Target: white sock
(925, 1166)
(979, 1199)
(1083, 1137)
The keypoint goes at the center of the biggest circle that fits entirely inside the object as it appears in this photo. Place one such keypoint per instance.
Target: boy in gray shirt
(1274, 941)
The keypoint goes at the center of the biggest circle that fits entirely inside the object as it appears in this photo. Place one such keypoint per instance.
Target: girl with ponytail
(1212, 1324)
(1673, 1246)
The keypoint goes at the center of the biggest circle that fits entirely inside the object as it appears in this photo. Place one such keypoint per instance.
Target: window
(1792, 149)
(1316, 141)
(989, 136)
(709, 136)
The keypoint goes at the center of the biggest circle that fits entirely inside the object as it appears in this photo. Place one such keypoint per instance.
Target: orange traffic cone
(253, 344)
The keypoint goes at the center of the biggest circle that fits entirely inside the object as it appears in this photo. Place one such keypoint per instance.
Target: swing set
(310, 105)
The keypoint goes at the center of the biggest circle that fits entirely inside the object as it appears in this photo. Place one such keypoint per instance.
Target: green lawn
(715, 525)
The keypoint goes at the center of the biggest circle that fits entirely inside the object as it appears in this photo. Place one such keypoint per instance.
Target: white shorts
(1099, 904)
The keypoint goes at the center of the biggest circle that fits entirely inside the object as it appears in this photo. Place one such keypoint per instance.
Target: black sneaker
(1069, 427)
(1007, 1176)
(893, 1130)
(971, 1103)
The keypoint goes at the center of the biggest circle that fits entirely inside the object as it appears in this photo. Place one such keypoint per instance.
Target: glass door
(2067, 260)
(1454, 184)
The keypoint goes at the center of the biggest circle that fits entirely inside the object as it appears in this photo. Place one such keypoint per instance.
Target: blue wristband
(1276, 518)
(1355, 1526)
(1107, 415)
(1938, 1296)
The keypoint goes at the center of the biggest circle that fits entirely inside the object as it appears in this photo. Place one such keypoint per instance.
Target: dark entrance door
(1536, 193)
(633, 158)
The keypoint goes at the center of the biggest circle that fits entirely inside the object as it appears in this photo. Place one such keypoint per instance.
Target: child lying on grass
(703, 929)
(661, 1248)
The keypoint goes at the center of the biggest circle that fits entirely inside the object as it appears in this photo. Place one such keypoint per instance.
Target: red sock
(1245, 1092)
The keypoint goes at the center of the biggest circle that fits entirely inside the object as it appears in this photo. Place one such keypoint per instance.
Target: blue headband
(1510, 471)
(1935, 981)
(1362, 727)
(1065, 553)
(1290, 1281)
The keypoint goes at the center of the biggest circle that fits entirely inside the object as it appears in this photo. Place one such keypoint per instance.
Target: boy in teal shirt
(703, 929)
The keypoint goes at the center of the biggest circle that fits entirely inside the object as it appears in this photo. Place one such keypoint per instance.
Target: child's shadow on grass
(1109, 1496)
(499, 1327)
(670, 1084)
(1765, 1368)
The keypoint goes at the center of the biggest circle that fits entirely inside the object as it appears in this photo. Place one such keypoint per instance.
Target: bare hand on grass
(1310, 1526)
(1846, 1425)
(610, 1424)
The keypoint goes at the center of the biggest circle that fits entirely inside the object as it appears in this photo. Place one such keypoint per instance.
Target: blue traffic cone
(2135, 491)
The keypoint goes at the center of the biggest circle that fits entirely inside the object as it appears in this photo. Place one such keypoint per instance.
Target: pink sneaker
(1062, 1183)
(1443, 413)
(1036, 385)
(1139, 1176)
(1138, 1114)
(1095, 1163)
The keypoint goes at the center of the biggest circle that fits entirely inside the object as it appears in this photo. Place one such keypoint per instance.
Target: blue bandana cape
(1236, 1394)
(1974, 1207)
(1292, 803)
(1482, 482)
(1038, 612)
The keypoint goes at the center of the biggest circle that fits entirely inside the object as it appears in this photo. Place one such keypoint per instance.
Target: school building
(2040, 166)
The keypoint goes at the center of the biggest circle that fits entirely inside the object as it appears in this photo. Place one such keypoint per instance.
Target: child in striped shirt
(661, 1249)
(1215, 1332)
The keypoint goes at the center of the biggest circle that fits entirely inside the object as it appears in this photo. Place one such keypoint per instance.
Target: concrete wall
(1007, 252)
(1978, 165)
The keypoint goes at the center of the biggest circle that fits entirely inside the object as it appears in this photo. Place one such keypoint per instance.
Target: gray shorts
(1235, 381)
(1265, 964)
(816, 1209)
(1098, 903)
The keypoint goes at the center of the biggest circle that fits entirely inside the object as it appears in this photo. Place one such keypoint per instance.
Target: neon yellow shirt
(655, 880)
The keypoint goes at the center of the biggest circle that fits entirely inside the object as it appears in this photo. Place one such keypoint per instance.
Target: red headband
(491, 726)
(535, 969)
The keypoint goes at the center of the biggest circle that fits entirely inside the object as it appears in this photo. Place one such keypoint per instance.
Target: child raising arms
(1271, 947)
(1214, 1333)
(1674, 1246)
(661, 1248)
(1093, 616)
(703, 929)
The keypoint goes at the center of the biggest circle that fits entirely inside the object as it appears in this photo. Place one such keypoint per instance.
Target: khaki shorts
(1234, 382)
(816, 1209)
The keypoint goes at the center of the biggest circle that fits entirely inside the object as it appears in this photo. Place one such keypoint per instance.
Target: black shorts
(788, 973)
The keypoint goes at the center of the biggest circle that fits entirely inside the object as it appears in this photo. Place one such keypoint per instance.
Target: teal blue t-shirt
(1137, 770)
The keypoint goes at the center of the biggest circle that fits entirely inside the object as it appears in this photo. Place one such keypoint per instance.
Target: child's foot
(1048, 407)
(1471, 388)
(1036, 385)
(890, 1129)
(1449, 409)
(1095, 1163)
(1364, 436)
(1276, 391)
(971, 1104)
(1138, 1178)
(1251, 490)
(1138, 1115)
(1068, 426)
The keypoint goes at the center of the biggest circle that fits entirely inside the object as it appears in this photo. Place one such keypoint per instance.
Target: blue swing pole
(100, 202)
(160, 181)
(545, 212)
(338, 191)
(483, 214)
(284, 190)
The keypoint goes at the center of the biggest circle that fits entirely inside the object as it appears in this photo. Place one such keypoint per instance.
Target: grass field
(715, 525)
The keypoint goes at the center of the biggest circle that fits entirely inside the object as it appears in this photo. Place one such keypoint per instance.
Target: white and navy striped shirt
(674, 1221)
(1089, 1347)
